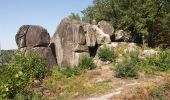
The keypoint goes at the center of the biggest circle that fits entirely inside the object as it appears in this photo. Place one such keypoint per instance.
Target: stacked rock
(74, 39)
(35, 38)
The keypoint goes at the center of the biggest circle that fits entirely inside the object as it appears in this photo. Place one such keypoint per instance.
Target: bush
(22, 70)
(105, 54)
(156, 93)
(127, 67)
(6, 56)
(161, 62)
(86, 63)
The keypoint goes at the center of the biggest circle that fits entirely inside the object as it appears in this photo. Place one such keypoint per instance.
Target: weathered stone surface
(32, 36)
(119, 35)
(77, 56)
(70, 41)
(102, 38)
(80, 48)
(20, 37)
(148, 53)
(45, 52)
(106, 27)
(90, 35)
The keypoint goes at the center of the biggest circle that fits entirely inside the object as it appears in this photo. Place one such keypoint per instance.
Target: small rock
(148, 53)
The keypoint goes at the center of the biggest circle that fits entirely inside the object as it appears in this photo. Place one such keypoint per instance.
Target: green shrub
(86, 63)
(156, 93)
(127, 67)
(6, 56)
(105, 54)
(161, 62)
(16, 75)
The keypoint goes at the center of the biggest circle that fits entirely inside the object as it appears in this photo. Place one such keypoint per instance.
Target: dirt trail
(125, 85)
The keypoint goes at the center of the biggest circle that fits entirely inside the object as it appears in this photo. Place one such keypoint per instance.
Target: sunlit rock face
(70, 42)
(74, 39)
(32, 36)
(35, 38)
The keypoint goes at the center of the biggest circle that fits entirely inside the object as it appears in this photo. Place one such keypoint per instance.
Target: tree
(141, 18)
(75, 16)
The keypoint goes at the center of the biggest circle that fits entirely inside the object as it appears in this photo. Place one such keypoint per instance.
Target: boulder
(20, 37)
(70, 42)
(148, 53)
(120, 35)
(45, 52)
(90, 35)
(32, 36)
(101, 37)
(106, 27)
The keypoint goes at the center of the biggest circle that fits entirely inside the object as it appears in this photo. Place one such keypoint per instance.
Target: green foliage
(6, 56)
(75, 16)
(148, 18)
(161, 62)
(156, 93)
(127, 67)
(105, 54)
(16, 75)
(85, 64)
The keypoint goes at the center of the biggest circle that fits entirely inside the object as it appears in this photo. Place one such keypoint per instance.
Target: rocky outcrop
(106, 27)
(74, 39)
(32, 36)
(124, 47)
(90, 35)
(102, 38)
(70, 42)
(35, 38)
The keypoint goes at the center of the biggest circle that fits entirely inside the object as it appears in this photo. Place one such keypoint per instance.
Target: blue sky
(47, 13)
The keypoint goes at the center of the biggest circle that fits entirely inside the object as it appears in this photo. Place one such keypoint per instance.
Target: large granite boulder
(35, 38)
(91, 39)
(70, 42)
(106, 27)
(32, 36)
(102, 38)
(44, 52)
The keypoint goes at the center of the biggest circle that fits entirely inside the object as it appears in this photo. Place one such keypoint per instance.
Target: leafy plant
(160, 62)
(75, 16)
(22, 70)
(156, 93)
(105, 54)
(127, 67)
(86, 63)
(148, 19)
